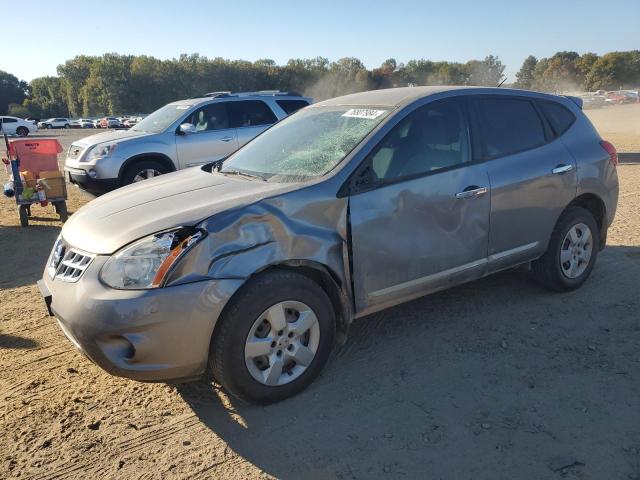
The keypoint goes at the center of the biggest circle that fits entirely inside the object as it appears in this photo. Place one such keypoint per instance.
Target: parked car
(16, 126)
(130, 122)
(179, 135)
(55, 123)
(619, 97)
(85, 123)
(253, 267)
(110, 122)
(591, 100)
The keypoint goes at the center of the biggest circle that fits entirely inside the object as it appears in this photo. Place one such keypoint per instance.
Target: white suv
(16, 126)
(181, 134)
(55, 123)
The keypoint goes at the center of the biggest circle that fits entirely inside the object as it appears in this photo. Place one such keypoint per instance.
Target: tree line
(114, 84)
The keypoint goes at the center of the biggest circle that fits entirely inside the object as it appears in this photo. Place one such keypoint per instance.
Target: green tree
(525, 76)
(12, 90)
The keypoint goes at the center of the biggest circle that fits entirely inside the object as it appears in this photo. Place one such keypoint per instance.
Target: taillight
(611, 150)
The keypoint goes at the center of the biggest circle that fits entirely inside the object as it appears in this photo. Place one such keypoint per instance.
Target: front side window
(209, 118)
(305, 145)
(250, 113)
(509, 125)
(9, 120)
(432, 138)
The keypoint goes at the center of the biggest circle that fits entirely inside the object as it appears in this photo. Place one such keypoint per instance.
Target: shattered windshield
(307, 144)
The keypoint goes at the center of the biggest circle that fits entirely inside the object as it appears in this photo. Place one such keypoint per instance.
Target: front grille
(74, 152)
(66, 263)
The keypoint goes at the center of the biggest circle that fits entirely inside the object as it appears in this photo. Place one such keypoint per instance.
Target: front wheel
(143, 170)
(66, 127)
(572, 251)
(22, 131)
(274, 338)
(49, 127)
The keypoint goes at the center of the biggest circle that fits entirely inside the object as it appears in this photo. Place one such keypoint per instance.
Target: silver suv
(252, 272)
(181, 134)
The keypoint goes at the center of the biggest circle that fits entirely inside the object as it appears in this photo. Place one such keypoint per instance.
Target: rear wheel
(572, 251)
(274, 338)
(22, 131)
(143, 170)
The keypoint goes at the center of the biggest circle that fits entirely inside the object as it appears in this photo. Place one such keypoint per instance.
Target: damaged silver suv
(252, 269)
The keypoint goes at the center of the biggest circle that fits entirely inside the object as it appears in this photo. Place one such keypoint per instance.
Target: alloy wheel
(146, 174)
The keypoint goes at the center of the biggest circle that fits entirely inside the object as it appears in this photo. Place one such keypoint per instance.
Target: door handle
(226, 139)
(472, 192)
(560, 169)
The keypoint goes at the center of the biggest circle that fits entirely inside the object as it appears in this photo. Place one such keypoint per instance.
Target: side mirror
(187, 129)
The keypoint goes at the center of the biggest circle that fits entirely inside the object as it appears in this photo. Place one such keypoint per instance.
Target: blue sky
(42, 34)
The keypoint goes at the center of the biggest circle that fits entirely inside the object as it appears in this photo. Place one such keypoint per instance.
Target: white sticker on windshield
(182, 107)
(363, 113)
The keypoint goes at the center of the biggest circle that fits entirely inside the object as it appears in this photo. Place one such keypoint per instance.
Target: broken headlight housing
(147, 262)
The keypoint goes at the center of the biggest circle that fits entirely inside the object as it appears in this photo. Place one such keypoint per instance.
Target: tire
(61, 209)
(24, 215)
(227, 362)
(22, 131)
(140, 171)
(549, 270)
(49, 127)
(66, 126)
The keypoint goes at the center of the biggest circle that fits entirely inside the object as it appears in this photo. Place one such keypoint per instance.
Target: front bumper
(147, 335)
(81, 178)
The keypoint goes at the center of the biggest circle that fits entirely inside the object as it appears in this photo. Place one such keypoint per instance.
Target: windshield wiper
(243, 174)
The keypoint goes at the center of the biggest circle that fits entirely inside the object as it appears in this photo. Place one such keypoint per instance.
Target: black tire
(24, 215)
(49, 126)
(132, 170)
(547, 269)
(22, 131)
(226, 355)
(66, 126)
(61, 209)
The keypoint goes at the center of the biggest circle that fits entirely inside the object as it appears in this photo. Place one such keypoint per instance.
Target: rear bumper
(146, 335)
(82, 179)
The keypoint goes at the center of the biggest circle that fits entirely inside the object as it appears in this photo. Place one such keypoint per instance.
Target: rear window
(509, 125)
(290, 106)
(559, 117)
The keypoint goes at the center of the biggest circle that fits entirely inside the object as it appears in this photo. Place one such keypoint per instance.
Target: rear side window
(290, 106)
(250, 113)
(559, 117)
(509, 125)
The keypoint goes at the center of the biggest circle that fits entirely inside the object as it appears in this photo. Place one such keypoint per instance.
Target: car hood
(110, 136)
(111, 221)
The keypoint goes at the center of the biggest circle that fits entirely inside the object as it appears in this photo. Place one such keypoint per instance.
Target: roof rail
(214, 94)
(246, 94)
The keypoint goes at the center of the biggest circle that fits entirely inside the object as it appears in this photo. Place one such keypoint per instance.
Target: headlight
(102, 150)
(146, 263)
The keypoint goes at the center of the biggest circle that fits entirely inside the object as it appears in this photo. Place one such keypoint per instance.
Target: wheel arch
(159, 157)
(323, 276)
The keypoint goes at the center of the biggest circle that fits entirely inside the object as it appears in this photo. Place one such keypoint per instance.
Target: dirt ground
(494, 379)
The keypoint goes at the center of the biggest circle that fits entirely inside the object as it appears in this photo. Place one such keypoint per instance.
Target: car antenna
(503, 80)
